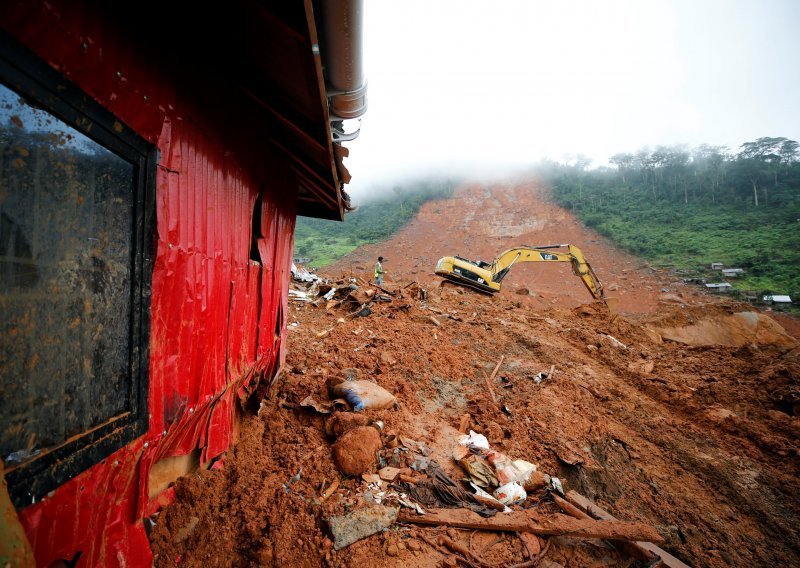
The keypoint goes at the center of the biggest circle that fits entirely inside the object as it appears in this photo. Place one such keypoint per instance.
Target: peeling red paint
(214, 312)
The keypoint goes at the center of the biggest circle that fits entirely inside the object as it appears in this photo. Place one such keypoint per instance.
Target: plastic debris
(474, 441)
(20, 456)
(508, 470)
(292, 480)
(510, 493)
(364, 394)
(555, 485)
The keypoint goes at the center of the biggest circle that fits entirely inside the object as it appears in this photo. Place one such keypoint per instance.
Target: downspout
(346, 86)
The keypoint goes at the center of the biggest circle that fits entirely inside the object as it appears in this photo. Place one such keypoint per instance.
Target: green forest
(374, 220)
(685, 208)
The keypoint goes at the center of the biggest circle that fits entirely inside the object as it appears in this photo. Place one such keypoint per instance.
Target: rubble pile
(405, 434)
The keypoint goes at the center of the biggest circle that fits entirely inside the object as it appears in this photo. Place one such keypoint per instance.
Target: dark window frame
(24, 72)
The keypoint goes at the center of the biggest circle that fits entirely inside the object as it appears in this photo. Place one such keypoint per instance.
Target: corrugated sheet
(214, 312)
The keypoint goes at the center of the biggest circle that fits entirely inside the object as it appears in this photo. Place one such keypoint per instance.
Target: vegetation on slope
(375, 220)
(688, 208)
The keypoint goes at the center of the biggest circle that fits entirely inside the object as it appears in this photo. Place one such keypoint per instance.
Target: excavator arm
(486, 277)
(580, 266)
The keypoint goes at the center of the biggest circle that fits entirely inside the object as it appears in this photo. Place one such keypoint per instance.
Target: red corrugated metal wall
(213, 310)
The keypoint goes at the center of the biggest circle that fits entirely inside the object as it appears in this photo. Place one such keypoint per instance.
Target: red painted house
(154, 158)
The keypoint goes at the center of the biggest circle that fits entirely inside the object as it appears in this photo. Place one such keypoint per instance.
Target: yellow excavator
(486, 276)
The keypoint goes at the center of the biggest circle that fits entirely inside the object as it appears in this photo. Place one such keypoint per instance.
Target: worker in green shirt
(379, 271)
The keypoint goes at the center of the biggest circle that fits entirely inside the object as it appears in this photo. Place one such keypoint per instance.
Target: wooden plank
(528, 521)
(643, 545)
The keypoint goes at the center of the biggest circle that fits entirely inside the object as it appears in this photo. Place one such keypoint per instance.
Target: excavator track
(469, 284)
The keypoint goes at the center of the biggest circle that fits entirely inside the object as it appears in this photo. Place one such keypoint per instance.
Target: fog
(476, 88)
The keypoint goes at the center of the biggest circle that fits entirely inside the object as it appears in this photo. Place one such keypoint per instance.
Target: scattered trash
(478, 471)
(302, 275)
(330, 490)
(542, 376)
(439, 490)
(420, 463)
(510, 493)
(329, 294)
(414, 446)
(474, 441)
(488, 499)
(535, 480)
(371, 478)
(324, 407)
(361, 523)
(508, 470)
(21, 455)
(363, 312)
(555, 484)
(406, 502)
(292, 480)
(389, 473)
(614, 341)
(364, 394)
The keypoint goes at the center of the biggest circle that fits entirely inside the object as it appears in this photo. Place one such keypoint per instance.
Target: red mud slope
(676, 410)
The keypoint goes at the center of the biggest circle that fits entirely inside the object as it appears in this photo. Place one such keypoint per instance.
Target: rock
(523, 292)
(591, 348)
(414, 546)
(536, 480)
(361, 523)
(342, 422)
(450, 562)
(391, 550)
(387, 358)
(401, 546)
(354, 452)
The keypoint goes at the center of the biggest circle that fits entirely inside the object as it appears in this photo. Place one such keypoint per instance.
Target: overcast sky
(492, 86)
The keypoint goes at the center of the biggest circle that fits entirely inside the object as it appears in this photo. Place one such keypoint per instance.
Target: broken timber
(644, 546)
(530, 522)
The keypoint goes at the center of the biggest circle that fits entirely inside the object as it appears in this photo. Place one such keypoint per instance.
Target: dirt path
(698, 439)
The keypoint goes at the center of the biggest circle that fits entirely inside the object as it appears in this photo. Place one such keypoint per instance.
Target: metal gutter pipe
(343, 26)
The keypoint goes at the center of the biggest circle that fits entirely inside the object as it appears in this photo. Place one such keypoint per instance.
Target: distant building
(720, 287)
(716, 266)
(777, 299)
(732, 272)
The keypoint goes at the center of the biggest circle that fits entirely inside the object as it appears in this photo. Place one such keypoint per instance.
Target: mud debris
(695, 441)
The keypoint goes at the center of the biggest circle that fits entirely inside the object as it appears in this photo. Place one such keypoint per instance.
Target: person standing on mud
(379, 272)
